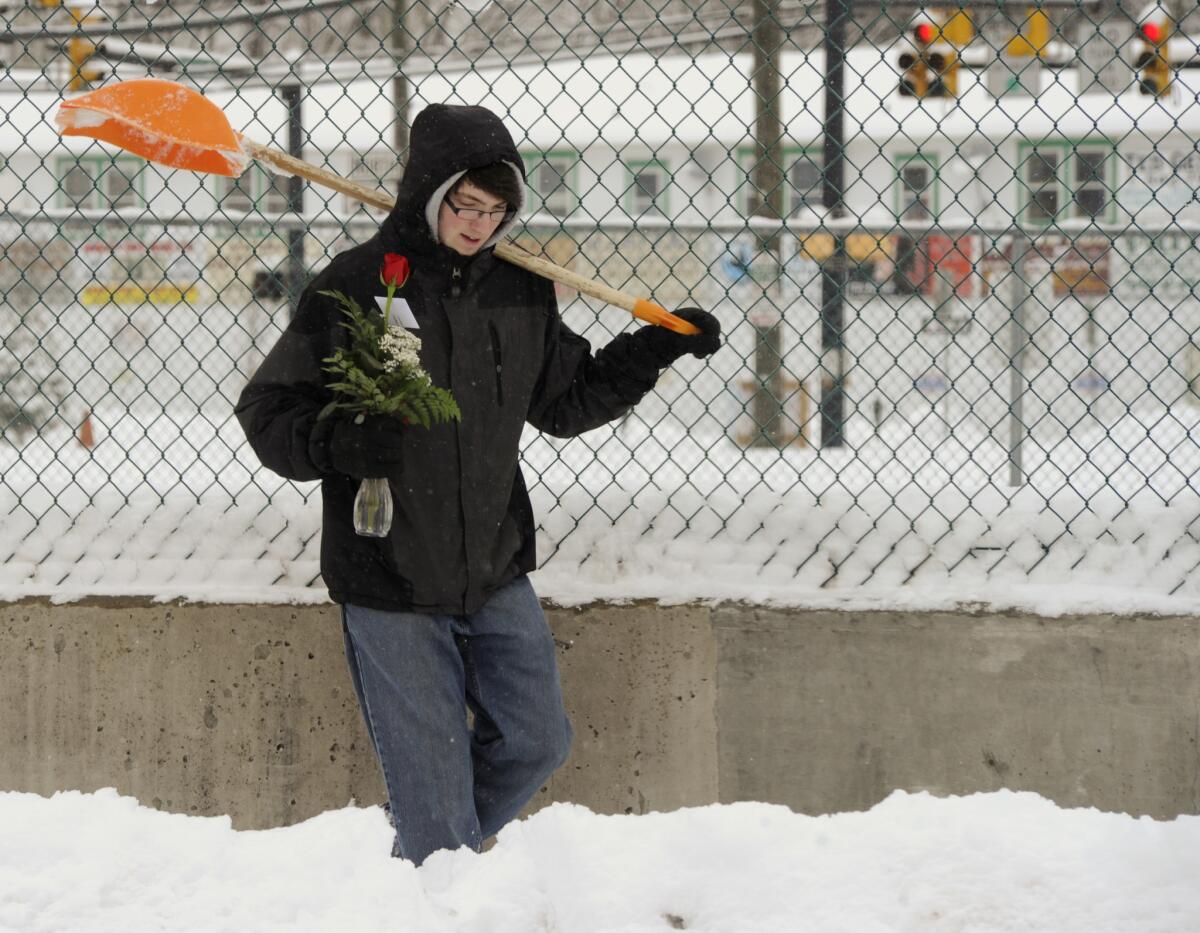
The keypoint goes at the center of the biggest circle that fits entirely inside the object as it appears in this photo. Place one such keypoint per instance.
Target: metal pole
(833, 272)
(769, 181)
(400, 92)
(1018, 340)
(295, 236)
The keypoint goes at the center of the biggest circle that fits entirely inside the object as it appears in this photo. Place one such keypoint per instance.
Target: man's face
(481, 214)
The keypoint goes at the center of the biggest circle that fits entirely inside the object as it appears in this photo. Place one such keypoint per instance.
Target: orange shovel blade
(162, 121)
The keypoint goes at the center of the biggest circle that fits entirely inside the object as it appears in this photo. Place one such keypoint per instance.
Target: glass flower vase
(373, 508)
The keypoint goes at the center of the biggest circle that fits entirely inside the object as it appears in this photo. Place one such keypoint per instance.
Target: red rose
(395, 270)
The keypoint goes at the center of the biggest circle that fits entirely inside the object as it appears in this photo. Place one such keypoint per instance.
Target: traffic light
(1153, 63)
(80, 49)
(930, 67)
(83, 72)
(943, 67)
(958, 32)
(1033, 35)
(914, 70)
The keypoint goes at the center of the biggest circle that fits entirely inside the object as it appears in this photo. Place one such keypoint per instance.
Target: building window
(916, 187)
(377, 169)
(1042, 182)
(1091, 185)
(237, 194)
(647, 188)
(549, 176)
(1066, 180)
(100, 183)
(802, 180)
(254, 188)
(118, 182)
(275, 198)
(77, 185)
(806, 182)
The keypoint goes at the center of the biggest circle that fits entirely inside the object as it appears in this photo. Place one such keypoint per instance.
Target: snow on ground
(987, 863)
(631, 513)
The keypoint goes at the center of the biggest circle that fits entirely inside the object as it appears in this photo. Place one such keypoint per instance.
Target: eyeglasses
(474, 213)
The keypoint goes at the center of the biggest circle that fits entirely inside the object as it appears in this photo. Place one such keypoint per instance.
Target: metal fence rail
(954, 252)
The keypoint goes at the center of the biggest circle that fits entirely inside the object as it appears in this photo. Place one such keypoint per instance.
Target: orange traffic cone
(87, 436)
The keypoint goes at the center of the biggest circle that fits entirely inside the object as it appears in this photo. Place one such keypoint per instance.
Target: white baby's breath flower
(400, 350)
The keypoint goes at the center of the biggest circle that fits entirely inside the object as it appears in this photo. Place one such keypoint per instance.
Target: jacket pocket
(498, 361)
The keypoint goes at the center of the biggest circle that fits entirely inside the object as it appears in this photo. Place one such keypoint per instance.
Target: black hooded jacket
(491, 333)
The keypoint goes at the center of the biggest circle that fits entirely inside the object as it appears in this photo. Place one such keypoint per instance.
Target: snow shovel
(176, 126)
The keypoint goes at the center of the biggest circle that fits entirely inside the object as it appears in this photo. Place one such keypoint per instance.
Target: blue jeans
(416, 675)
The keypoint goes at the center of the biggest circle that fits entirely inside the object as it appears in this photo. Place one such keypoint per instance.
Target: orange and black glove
(666, 346)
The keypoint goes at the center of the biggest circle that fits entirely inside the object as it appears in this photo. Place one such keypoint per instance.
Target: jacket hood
(445, 142)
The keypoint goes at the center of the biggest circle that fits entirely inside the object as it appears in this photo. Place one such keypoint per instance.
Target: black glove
(365, 446)
(666, 346)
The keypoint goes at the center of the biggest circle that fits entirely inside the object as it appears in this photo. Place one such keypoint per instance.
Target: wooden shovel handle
(640, 307)
(290, 165)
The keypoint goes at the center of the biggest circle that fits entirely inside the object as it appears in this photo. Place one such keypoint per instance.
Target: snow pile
(674, 547)
(989, 862)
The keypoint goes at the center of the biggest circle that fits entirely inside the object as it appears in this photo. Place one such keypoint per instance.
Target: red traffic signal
(1154, 61)
(924, 33)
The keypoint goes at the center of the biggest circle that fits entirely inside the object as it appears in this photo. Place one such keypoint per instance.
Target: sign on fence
(136, 270)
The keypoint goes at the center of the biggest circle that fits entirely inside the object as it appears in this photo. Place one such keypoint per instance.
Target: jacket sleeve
(278, 408)
(578, 390)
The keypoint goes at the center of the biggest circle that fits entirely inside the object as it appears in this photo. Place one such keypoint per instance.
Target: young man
(439, 617)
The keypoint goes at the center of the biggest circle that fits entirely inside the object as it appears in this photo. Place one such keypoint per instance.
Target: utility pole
(832, 404)
(400, 92)
(769, 182)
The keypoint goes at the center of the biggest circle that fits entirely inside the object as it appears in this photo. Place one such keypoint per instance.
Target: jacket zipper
(456, 280)
(496, 356)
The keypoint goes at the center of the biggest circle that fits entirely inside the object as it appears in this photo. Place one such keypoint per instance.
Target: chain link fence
(953, 251)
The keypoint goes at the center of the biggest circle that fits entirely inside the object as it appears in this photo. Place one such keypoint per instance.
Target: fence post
(769, 181)
(1018, 340)
(833, 272)
(292, 94)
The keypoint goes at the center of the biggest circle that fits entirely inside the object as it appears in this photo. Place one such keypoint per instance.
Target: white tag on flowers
(401, 312)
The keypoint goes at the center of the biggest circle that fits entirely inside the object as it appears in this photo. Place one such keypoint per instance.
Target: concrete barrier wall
(249, 711)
